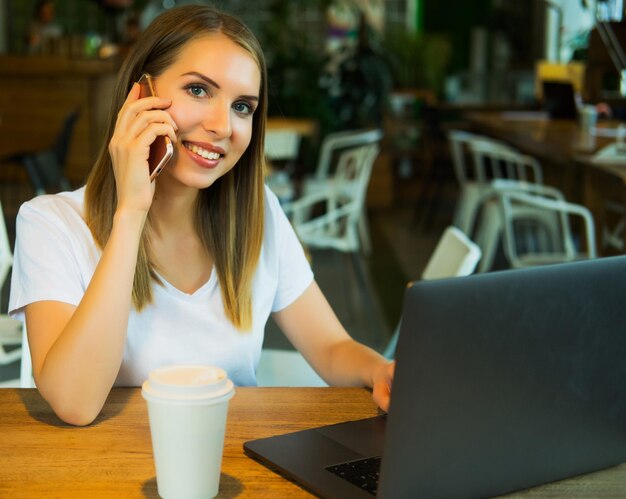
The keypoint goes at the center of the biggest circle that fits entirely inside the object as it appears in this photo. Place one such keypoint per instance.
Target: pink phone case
(161, 149)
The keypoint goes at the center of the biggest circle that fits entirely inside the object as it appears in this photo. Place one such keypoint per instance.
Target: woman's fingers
(139, 122)
(146, 118)
(141, 136)
(123, 115)
(141, 111)
(381, 392)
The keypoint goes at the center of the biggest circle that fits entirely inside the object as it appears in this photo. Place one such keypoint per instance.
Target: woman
(186, 269)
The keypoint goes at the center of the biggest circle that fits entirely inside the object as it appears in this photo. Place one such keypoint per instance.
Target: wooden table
(283, 136)
(565, 152)
(42, 457)
(301, 126)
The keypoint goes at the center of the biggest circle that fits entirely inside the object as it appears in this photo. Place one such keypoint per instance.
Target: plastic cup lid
(194, 383)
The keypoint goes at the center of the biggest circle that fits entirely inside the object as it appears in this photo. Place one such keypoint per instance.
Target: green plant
(418, 60)
(293, 65)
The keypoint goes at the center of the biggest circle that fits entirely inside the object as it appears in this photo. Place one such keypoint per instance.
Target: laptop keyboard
(363, 473)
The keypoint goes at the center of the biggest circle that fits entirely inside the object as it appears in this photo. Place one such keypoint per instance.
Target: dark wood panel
(36, 94)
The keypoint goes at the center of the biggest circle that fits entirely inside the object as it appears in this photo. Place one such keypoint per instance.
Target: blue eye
(196, 90)
(243, 107)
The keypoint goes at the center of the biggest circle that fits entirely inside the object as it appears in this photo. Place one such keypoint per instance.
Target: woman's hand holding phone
(161, 149)
(139, 122)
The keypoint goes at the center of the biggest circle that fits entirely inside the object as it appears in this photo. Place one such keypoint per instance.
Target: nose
(218, 118)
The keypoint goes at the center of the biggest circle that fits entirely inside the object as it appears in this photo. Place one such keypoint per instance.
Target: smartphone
(161, 149)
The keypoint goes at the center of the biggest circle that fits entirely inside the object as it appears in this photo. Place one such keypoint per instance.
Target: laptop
(504, 381)
(559, 100)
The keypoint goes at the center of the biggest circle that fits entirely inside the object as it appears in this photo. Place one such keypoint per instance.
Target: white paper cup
(187, 408)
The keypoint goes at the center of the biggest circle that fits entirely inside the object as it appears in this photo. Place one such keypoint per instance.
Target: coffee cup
(588, 117)
(187, 409)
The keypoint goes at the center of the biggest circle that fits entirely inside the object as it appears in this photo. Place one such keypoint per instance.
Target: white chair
(454, 256)
(329, 177)
(490, 160)
(285, 368)
(488, 227)
(539, 230)
(340, 226)
(6, 256)
(495, 161)
(10, 336)
(10, 329)
(497, 166)
(540, 226)
(470, 188)
(336, 142)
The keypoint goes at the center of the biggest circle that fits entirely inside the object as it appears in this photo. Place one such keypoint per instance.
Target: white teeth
(202, 152)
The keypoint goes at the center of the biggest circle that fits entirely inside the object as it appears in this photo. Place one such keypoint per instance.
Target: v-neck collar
(201, 291)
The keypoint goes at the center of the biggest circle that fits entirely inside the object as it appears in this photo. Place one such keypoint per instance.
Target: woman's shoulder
(274, 216)
(64, 205)
(271, 201)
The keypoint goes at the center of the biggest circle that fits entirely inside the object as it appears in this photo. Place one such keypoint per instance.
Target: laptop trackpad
(365, 436)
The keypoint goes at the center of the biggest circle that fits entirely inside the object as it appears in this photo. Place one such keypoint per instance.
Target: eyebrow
(214, 84)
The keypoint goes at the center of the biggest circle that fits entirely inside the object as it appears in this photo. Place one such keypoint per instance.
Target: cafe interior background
(414, 69)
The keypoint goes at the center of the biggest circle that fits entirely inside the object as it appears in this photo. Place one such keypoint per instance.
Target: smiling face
(214, 85)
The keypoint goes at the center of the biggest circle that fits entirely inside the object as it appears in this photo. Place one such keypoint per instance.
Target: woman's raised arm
(77, 351)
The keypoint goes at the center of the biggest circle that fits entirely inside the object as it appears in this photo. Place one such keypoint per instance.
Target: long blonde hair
(229, 214)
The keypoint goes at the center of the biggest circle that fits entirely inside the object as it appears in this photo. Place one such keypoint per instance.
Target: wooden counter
(37, 93)
(42, 457)
(557, 144)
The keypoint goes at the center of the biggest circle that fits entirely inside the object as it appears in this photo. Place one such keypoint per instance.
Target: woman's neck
(173, 209)
(176, 250)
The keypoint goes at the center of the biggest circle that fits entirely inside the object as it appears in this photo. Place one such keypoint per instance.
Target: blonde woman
(125, 275)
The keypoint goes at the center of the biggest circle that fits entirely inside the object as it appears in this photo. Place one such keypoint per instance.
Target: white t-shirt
(56, 256)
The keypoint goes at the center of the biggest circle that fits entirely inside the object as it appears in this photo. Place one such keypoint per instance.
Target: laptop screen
(507, 380)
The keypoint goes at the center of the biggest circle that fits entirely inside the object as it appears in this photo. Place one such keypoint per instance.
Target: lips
(205, 155)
